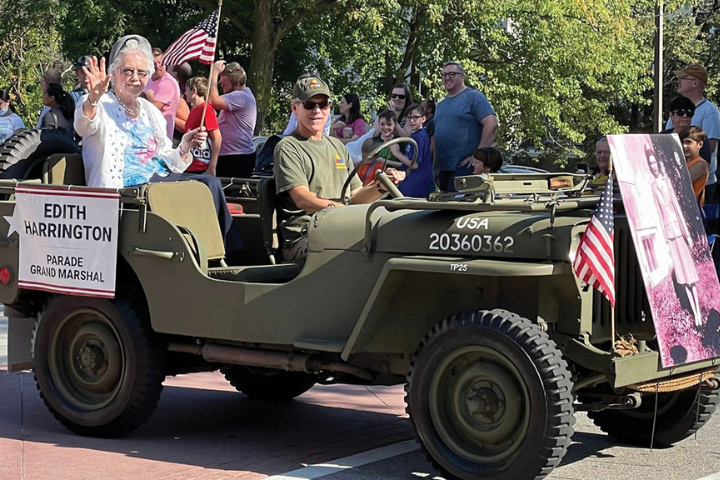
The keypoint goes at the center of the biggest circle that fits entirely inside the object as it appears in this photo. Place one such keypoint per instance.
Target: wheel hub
(86, 360)
(485, 402)
(479, 404)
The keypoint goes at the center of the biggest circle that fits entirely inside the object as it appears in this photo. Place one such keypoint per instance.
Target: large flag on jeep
(197, 43)
(595, 260)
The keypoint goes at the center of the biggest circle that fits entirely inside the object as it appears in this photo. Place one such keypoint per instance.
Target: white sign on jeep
(68, 240)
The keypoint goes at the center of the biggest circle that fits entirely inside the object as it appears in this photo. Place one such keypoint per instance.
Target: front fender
(395, 318)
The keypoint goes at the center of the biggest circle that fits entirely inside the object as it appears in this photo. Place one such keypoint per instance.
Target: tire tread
(544, 353)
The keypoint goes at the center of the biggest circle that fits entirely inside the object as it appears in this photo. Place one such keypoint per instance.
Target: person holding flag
(124, 136)
(238, 107)
(238, 114)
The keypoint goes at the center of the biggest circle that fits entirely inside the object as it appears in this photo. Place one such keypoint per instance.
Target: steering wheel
(383, 178)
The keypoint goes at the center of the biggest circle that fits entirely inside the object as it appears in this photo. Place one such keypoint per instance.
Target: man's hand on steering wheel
(395, 175)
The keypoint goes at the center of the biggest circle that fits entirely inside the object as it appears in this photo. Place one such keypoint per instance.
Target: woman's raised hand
(98, 80)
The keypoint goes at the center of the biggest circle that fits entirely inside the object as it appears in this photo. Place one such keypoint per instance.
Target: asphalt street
(203, 429)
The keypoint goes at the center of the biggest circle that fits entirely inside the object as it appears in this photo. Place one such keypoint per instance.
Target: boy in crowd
(386, 122)
(205, 157)
(692, 139)
(368, 172)
(418, 183)
(487, 160)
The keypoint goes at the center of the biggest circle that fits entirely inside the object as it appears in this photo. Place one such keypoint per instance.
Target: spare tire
(23, 154)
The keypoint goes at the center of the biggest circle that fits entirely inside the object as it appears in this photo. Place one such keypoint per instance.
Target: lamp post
(658, 70)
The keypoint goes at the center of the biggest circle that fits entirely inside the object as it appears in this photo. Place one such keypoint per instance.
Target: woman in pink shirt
(351, 124)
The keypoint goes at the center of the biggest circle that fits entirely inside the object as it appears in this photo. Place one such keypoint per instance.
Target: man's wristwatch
(380, 189)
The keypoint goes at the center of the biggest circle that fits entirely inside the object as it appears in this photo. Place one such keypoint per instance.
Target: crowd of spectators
(454, 137)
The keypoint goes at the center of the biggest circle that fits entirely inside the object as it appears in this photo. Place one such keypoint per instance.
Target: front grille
(632, 309)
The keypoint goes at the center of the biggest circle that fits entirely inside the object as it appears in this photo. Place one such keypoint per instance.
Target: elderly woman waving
(125, 138)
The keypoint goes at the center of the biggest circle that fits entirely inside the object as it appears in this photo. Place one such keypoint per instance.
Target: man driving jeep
(310, 168)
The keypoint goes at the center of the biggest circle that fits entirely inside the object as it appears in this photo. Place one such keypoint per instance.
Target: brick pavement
(202, 429)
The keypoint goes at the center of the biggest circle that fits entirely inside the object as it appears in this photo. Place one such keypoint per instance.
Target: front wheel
(490, 396)
(97, 368)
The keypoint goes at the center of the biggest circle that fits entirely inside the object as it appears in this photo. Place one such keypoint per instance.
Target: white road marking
(714, 476)
(347, 463)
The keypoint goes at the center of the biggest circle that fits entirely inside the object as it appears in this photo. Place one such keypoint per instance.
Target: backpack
(264, 159)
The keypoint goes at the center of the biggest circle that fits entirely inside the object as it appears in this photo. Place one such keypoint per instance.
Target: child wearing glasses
(419, 180)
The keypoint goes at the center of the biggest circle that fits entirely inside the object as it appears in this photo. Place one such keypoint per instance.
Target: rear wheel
(265, 384)
(22, 155)
(679, 415)
(490, 396)
(98, 371)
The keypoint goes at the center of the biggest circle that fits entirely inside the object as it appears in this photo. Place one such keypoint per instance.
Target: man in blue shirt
(464, 122)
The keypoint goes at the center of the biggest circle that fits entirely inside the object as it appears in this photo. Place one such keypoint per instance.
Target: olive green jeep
(467, 299)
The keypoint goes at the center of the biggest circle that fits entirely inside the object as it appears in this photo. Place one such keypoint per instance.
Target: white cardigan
(104, 141)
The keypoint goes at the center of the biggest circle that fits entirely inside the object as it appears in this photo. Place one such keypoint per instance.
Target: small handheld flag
(197, 43)
(595, 260)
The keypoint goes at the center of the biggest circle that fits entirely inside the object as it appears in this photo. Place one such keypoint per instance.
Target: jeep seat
(189, 205)
(267, 205)
(64, 169)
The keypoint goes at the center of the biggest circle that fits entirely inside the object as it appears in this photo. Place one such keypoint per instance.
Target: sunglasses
(451, 74)
(682, 112)
(129, 72)
(397, 95)
(323, 105)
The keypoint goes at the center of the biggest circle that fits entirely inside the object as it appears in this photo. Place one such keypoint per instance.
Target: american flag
(595, 260)
(198, 42)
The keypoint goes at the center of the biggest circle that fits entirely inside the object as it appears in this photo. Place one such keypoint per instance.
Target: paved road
(203, 429)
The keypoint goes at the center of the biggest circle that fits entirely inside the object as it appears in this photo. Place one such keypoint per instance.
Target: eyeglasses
(450, 74)
(413, 117)
(129, 72)
(683, 112)
(397, 95)
(323, 105)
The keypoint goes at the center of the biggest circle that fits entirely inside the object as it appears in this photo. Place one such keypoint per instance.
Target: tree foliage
(558, 72)
(29, 45)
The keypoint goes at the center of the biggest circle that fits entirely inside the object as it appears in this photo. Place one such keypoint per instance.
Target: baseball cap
(695, 70)
(683, 103)
(124, 41)
(308, 86)
(82, 61)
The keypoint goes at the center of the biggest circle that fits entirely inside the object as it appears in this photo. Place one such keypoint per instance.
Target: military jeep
(467, 299)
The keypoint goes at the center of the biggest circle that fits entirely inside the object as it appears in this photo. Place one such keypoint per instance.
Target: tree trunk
(262, 59)
(411, 48)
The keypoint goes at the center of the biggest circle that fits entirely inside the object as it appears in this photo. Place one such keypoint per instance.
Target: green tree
(29, 45)
(556, 71)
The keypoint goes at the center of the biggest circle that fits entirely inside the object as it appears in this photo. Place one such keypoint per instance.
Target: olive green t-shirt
(322, 166)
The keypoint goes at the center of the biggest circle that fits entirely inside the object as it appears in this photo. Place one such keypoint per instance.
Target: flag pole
(212, 65)
(612, 307)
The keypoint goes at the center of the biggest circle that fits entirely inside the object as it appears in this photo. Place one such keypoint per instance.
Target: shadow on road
(218, 429)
